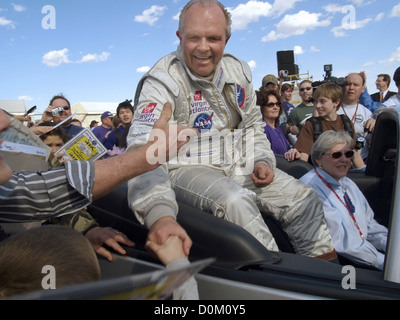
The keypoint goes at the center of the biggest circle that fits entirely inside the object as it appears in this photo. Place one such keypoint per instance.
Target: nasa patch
(204, 122)
(240, 95)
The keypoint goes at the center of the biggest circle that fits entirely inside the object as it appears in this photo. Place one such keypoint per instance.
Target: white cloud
(379, 17)
(6, 23)
(368, 64)
(247, 13)
(394, 58)
(333, 8)
(18, 7)
(340, 30)
(279, 7)
(298, 50)
(252, 64)
(358, 3)
(177, 16)
(25, 98)
(314, 49)
(56, 58)
(143, 69)
(95, 57)
(396, 11)
(296, 24)
(363, 23)
(151, 16)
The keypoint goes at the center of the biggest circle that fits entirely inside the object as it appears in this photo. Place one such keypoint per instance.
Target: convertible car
(233, 265)
(244, 269)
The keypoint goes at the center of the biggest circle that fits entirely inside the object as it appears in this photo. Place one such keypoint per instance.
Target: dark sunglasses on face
(272, 104)
(338, 155)
(66, 108)
(304, 89)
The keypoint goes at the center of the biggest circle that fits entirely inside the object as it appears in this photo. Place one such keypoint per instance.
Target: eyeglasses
(338, 155)
(272, 104)
(66, 108)
(304, 89)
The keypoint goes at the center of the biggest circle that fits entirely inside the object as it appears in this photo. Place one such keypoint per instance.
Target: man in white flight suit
(212, 92)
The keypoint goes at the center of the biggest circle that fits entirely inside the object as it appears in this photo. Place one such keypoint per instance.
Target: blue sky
(97, 51)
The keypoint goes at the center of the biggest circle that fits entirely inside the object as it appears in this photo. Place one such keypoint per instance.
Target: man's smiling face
(203, 39)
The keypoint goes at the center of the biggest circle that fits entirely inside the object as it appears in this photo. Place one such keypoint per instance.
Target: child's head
(54, 139)
(25, 256)
(330, 91)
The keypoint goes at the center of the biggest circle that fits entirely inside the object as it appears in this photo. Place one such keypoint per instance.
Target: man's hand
(262, 176)
(47, 115)
(166, 140)
(370, 125)
(165, 227)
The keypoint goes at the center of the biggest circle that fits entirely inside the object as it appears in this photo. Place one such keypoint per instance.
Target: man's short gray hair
(206, 3)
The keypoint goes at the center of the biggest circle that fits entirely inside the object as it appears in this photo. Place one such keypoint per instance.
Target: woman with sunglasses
(356, 235)
(271, 109)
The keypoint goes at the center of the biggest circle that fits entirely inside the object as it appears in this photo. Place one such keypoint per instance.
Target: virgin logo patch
(150, 108)
(198, 96)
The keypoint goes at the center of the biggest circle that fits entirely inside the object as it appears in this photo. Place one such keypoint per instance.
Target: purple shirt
(100, 132)
(279, 143)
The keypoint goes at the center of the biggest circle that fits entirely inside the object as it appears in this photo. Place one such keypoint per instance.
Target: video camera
(341, 82)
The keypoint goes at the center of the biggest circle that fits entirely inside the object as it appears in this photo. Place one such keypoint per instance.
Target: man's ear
(179, 35)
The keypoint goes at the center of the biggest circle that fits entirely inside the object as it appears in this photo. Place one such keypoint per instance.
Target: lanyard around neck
(348, 205)
(355, 113)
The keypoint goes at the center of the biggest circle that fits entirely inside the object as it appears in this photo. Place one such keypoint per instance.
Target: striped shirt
(37, 196)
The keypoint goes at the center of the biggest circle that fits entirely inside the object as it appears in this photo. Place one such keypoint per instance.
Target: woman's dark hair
(263, 98)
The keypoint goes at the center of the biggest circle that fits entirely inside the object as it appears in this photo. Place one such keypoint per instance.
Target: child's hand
(171, 249)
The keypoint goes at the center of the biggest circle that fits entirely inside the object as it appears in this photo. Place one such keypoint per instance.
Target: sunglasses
(66, 108)
(272, 104)
(338, 155)
(304, 89)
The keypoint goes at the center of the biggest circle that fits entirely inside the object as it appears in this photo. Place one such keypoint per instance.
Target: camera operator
(58, 110)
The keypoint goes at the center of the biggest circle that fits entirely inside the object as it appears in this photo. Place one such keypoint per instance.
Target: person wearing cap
(270, 82)
(94, 124)
(102, 132)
